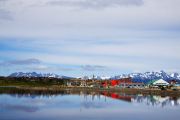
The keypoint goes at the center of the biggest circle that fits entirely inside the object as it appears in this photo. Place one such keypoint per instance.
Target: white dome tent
(160, 82)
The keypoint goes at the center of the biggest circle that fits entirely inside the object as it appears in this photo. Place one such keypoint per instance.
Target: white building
(160, 82)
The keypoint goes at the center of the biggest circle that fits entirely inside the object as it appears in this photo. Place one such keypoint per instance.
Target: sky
(86, 37)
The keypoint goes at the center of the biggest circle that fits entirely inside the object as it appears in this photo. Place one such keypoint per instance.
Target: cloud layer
(21, 62)
(95, 3)
(93, 68)
(5, 15)
(78, 36)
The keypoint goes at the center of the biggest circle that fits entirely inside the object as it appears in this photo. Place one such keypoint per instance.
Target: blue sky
(85, 37)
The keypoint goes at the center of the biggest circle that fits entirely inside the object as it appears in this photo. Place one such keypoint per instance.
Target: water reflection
(150, 100)
(24, 108)
(80, 105)
(157, 100)
(120, 96)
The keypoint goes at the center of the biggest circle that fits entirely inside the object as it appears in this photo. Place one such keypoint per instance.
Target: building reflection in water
(80, 105)
(150, 100)
(153, 100)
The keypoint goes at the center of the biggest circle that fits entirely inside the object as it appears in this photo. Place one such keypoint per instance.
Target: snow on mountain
(95, 77)
(175, 75)
(136, 77)
(140, 77)
(34, 74)
(105, 77)
(147, 76)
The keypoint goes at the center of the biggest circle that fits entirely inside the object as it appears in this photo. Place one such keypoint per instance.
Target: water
(88, 106)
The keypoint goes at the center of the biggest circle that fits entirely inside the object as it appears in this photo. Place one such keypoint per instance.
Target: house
(174, 84)
(131, 85)
(120, 81)
(115, 82)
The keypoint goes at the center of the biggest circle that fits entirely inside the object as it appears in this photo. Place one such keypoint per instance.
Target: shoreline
(53, 89)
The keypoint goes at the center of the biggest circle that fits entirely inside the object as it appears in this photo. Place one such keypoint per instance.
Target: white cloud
(31, 20)
(5, 15)
(122, 35)
(48, 68)
(20, 62)
(93, 68)
(95, 3)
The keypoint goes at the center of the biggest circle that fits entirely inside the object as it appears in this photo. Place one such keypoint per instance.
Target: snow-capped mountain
(147, 76)
(136, 77)
(34, 74)
(95, 77)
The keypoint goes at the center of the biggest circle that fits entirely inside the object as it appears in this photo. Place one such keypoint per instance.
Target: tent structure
(160, 82)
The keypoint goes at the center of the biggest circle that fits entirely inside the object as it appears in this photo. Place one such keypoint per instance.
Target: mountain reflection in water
(82, 105)
(150, 100)
(153, 100)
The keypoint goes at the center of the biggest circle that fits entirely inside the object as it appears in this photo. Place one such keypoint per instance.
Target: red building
(116, 82)
(119, 81)
(117, 96)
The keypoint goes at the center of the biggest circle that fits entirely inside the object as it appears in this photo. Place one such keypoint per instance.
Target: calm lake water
(91, 106)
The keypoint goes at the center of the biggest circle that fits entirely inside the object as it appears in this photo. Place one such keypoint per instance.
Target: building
(115, 82)
(174, 84)
(131, 85)
(158, 83)
(122, 83)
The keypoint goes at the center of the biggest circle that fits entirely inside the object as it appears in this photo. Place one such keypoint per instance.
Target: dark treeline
(32, 81)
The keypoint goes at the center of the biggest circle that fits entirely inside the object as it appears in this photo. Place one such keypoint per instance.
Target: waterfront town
(124, 83)
(107, 83)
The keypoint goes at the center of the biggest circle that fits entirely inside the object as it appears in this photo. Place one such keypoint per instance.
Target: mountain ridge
(147, 76)
(34, 74)
(136, 77)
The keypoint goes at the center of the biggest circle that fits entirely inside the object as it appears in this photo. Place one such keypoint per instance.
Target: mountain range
(136, 77)
(147, 76)
(34, 74)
